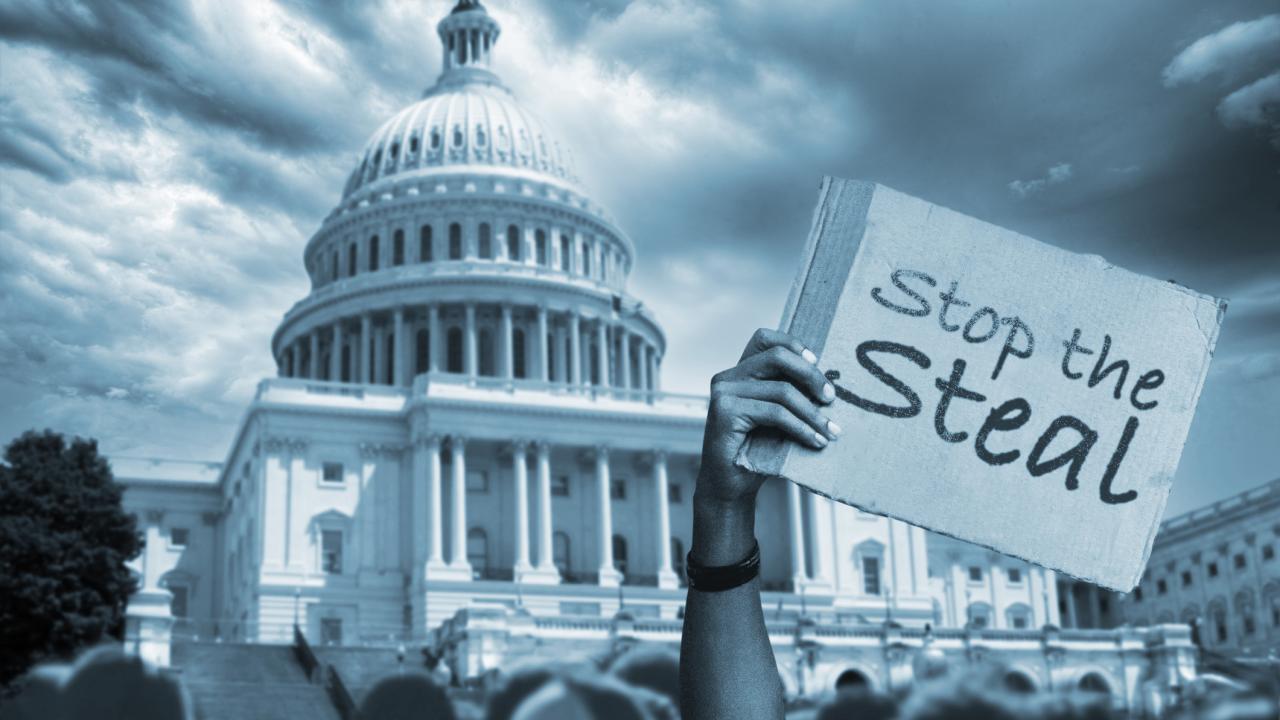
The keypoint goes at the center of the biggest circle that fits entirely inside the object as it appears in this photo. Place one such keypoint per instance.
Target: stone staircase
(248, 682)
(362, 667)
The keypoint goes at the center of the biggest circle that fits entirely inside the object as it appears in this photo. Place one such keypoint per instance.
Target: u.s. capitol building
(468, 447)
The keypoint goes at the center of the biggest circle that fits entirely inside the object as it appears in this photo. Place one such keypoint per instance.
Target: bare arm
(727, 666)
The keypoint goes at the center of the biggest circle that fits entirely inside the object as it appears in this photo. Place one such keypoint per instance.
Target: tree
(64, 542)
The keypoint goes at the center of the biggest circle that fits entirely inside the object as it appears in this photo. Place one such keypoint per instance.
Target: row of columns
(572, 252)
(302, 358)
(429, 502)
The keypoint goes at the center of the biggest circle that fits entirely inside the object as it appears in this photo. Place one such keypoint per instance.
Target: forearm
(727, 666)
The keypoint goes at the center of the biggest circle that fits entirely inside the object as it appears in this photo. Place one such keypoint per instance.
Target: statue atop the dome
(465, 5)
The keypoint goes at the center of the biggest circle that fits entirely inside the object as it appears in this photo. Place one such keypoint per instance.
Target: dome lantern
(467, 34)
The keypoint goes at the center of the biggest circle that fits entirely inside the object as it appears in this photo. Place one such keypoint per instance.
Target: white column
(609, 575)
(544, 373)
(546, 559)
(400, 366)
(437, 340)
(520, 475)
(366, 362)
(314, 371)
(458, 460)
(434, 503)
(469, 348)
(798, 575)
(666, 576)
(624, 360)
(820, 535)
(508, 357)
(575, 349)
(602, 351)
(335, 353)
(643, 365)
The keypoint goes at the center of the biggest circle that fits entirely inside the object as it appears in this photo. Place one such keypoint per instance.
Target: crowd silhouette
(641, 684)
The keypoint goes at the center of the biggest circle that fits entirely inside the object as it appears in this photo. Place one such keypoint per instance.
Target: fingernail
(809, 356)
(833, 428)
(820, 439)
(828, 392)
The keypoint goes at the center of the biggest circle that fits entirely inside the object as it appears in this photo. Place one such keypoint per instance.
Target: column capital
(457, 442)
(520, 445)
(428, 440)
(602, 451)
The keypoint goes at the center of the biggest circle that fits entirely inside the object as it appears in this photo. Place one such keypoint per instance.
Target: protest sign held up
(991, 387)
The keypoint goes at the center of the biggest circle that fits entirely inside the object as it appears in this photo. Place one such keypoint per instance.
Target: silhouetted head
(407, 697)
(656, 670)
(108, 685)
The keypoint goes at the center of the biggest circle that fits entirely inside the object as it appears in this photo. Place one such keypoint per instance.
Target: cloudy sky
(163, 163)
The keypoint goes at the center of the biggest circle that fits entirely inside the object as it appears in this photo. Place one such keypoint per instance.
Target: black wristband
(718, 578)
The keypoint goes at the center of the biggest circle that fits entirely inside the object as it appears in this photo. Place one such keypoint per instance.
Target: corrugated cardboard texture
(900, 456)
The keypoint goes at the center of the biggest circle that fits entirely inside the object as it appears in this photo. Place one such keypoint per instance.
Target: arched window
(486, 354)
(513, 243)
(486, 242)
(423, 363)
(333, 265)
(518, 354)
(395, 149)
(586, 260)
(454, 347)
(852, 680)
(346, 363)
(560, 551)
(677, 559)
(458, 137)
(455, 242)
(435, 138)
(1218, 614)
(390, 355)
(620, 554)
(397, 248)
(481, 136)
(1095, 683)
(1019, 683)
(478, 548)
(565, 257)
(352, 258)
(424, 244)
(540, 242)
(373, 253)
(413, 144)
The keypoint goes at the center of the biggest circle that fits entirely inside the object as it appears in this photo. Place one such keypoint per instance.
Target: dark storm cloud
(155, 53)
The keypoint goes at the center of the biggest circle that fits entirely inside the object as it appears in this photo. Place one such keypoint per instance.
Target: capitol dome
(464, 247)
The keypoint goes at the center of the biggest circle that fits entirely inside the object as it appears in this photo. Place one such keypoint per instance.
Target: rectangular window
(373, 253)
(1239, 561)
(1162, 587)
(331, 551)
(871, 575)
(975, 574)
(1015, 575)
(331, 631)
(1213, 569)
(1268, 553)
(1137, 594)
(178, 537)
(331, 472)
(1249, 626)
(1020, 622)
(477, 481)
(424, 244)
(397, 248)
(560, 486)
(1186, 578)
(675, 493)
(178, 605)
(618, 489)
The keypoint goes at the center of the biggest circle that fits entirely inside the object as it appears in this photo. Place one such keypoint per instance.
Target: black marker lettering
(896, 277)
(1099, 373)
(951, 388)
(982, 312)
(1113, 466)
(1073, 346)
(1150, 380)
(1015, 324)
(1075, 455)
(863, 352)
(1010, 415)
(948, 299)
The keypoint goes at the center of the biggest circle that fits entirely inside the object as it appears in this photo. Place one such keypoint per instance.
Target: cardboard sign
(992, 387)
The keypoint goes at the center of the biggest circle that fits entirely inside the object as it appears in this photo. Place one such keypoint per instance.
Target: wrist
(723, 529)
